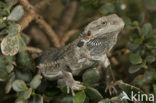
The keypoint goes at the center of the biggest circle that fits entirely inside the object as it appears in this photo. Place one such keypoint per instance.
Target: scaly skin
(88, 49)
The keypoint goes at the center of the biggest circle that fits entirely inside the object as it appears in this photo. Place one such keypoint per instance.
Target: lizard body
(87, 50)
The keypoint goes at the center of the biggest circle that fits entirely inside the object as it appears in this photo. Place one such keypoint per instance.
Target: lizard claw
(74, 85)
(111, 88)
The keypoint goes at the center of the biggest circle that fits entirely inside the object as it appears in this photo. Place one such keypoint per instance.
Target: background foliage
(133, 59)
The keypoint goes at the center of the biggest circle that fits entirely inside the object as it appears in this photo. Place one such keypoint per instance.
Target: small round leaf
(93, 94)
(91, 76)
(150, 58)
(134, 68)
(16, 13)
(145, 30)
(135, 59)
(9, 68)
(19, 86)
(10, 45)
(26, 94)
(36, 99)
(80, 97)
(36, 81)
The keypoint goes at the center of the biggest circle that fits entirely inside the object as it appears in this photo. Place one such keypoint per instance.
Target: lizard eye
(104, 22)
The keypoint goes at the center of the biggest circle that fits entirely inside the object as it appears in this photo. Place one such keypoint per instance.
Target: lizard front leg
(110, 80)
(71, 83)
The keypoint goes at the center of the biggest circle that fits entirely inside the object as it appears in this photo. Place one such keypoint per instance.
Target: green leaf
(135, 23)
(150, 58)
(151, 41)
(150, 4)
(107, 8)
(4, 32)
(146, 29)
(139, 80)
(150, 75)
(67, 99)
(91, 76)
(80, 97)
(116, 99)
(61, 83)
(141, 18)
(10, 68)
(135, 68)
(133, 46)
(36, 81)
(14, 29)
(19, 86)
(36, 99)
(2, 4)
(10, 45)
(24, 60)
(93, 94)
(19, 100)
(9, 84)
(127, 88)
(16, 13)
(3, 25)
(3, 75)
(138, 40)
(1, 21)
(25, 76)
(10, 59)
(135, 59)
(26, 94)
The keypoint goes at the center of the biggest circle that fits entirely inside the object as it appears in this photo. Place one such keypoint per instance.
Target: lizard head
(102, 33)
(103, 25)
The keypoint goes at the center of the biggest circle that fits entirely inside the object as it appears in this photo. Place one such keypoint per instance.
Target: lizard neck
(103, 44)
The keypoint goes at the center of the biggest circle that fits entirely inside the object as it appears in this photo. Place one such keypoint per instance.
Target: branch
(42, 23)
(41, 5)
(67, 36)
(26, 20)
(29, 17)
(33, 49)
(39, 38)
(67, 17)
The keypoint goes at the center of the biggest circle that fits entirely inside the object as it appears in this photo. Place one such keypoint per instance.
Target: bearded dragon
(89, 49)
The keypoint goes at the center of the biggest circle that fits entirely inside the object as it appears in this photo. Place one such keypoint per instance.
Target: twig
(42, 23)
(33, 49)
(38, 37)
(67, 36)
(29, 17)
(67, 17)
(26, 20)
(42, 4)
(50, 32)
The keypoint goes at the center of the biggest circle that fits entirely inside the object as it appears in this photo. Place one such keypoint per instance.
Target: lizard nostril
(89, 33)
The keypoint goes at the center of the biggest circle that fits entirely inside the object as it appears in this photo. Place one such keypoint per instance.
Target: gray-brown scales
(88, 49)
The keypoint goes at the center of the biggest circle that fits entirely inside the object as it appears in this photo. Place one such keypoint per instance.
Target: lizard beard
(102, 44)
